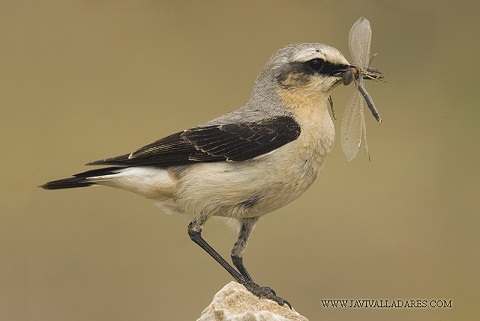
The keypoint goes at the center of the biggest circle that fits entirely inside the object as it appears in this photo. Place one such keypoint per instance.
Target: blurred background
(84, 80)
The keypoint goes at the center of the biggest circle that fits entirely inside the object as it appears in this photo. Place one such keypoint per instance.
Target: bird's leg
(195, 232)
(246, 228)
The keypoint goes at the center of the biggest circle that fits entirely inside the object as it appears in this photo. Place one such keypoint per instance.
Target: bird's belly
(249, 188)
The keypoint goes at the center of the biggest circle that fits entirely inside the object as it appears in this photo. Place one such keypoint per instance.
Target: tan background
(83, 80)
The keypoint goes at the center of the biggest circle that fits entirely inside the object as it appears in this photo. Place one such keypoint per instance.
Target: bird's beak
(343, 69)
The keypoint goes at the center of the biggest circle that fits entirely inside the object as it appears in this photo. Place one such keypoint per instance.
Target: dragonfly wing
(353, 125)
(359, 41)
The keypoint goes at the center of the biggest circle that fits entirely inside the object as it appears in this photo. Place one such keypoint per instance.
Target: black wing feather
(230, 142)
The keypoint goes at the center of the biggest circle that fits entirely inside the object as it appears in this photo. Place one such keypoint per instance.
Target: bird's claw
(265, 292)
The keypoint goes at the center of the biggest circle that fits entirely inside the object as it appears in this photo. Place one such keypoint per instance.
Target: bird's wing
(215, 143)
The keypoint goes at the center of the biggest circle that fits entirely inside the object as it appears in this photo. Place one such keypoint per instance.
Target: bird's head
(309, 67)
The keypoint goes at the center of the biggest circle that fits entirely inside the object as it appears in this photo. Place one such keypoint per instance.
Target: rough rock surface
(235, 303)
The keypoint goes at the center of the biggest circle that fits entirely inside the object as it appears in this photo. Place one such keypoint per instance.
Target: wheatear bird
(243, 164)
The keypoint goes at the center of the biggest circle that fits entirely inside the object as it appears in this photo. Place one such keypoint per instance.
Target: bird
(241, 165)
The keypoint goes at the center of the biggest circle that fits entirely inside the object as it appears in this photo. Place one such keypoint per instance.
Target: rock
(235, 303)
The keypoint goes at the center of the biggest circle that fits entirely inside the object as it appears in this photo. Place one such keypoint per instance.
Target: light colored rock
(235, 303)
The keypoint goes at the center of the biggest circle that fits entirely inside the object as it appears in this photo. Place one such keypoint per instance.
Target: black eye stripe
(323, 67)
(303, 70)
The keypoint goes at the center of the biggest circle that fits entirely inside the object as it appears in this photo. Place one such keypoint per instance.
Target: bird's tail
(81, 179)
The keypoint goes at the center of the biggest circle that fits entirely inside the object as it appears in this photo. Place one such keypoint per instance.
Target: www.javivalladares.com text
(386, 304)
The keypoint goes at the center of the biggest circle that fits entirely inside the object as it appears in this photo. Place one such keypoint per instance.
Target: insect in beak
(353, 129)
(357, 74)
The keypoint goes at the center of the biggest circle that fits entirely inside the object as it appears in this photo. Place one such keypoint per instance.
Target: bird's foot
(265, 292)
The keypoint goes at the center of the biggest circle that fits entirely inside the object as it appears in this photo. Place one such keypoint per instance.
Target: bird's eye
(315, 64)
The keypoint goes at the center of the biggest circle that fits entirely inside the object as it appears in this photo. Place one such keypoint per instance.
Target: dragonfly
(353, 127)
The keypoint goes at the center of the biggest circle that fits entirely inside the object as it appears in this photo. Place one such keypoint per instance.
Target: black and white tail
(81, 179)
